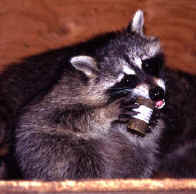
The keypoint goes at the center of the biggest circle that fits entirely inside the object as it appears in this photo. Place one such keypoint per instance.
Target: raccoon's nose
(156, 93)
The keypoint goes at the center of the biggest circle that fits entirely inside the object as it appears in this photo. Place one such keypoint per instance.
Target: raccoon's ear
(137, 23)
(86, 64)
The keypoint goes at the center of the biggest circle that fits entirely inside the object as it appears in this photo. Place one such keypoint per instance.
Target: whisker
(121, 89)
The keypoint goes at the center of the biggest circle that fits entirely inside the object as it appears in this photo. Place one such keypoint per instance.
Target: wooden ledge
(102, 186)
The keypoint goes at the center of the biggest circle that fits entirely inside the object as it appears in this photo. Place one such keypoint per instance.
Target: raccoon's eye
(129, 81)
(153, 65)
(126, 79)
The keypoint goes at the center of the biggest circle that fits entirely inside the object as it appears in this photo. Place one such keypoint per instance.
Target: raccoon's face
(130, 63)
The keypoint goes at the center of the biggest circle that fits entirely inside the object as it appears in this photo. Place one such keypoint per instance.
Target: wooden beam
(91, 186)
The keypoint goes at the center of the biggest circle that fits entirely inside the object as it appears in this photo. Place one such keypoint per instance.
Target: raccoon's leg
(56, 157)
(119, 110)
(92, 120)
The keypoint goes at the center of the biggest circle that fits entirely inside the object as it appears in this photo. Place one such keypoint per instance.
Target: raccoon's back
(180, 114)
(179, 138)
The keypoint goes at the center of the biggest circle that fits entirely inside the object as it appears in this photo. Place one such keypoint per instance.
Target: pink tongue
(160, 104)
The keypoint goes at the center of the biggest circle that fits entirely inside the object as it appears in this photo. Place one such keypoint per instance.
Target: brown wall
(32, 26)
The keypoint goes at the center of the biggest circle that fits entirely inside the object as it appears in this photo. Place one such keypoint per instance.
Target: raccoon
(69, 108)
(178, 141)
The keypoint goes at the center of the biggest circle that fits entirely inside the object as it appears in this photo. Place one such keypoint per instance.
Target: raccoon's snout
(156, 94)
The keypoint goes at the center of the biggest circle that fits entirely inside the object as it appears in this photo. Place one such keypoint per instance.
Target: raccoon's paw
(127, 111)
(121, 110)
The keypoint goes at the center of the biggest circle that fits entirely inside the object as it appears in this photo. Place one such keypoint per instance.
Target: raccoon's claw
(129, 102)
(128, 113)
(127, 116)
(127, 106)
(123, 118)
(122, 110)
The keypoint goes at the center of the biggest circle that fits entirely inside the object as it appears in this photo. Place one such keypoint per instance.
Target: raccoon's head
(128, 63)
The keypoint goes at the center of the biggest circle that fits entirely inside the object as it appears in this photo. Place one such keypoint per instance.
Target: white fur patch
(138, 62)
(141, 90)
(128, 70)
(120, 77)
(160, 83)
